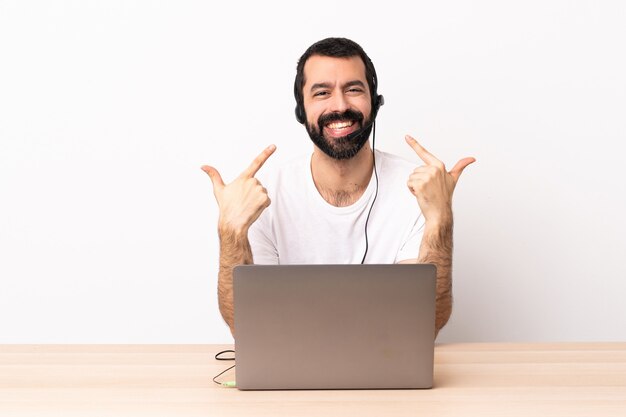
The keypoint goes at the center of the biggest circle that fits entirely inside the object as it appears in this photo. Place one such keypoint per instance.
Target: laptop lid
(334, 326)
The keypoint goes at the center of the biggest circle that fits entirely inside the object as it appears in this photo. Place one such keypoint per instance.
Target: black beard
(345, 147)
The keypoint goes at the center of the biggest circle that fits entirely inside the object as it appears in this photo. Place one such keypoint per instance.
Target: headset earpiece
(378, 101)
(300, 115)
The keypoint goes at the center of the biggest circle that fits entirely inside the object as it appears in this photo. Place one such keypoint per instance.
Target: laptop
(334, 326)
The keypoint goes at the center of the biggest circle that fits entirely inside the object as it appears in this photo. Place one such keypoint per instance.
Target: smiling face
(337, 104)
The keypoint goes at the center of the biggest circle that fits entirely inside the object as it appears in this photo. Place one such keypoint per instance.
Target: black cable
(220, 374)
(217, 357)
(375, 194)
(224, 359)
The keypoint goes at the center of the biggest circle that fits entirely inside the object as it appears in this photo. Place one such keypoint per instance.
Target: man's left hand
(433, 185)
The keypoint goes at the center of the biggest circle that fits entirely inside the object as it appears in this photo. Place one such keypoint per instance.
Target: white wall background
(108, 109)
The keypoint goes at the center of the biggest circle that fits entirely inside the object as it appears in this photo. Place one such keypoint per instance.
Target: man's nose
(339, 104)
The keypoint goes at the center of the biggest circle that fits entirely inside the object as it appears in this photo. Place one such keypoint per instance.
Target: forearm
(234, 250)
(436, 248)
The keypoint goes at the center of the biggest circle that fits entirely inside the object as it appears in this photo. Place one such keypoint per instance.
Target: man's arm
(241, 203)
(433, 187)
(234, 250)
(436, 248)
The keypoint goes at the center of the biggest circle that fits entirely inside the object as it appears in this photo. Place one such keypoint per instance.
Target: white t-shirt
(300, 227)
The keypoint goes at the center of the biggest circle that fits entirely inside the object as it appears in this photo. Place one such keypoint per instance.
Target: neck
(342, 182)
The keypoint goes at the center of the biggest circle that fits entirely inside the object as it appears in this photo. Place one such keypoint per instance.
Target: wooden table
(530, 380)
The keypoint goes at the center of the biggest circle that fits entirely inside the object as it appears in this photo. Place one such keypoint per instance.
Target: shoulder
(294, 170)
(293, 165)
(392, 165)
(393, 174)
(395, 197)
(393, 159)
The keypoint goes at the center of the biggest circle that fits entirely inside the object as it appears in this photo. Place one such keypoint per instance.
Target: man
(346, 203)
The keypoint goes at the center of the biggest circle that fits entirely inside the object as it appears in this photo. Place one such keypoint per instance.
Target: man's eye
(320, 93)
(355, 90)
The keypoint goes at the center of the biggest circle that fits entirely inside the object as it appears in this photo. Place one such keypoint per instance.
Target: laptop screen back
(334, 326)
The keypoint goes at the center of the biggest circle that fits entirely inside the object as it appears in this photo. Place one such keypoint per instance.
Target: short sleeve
(411, 246)
(261, 240)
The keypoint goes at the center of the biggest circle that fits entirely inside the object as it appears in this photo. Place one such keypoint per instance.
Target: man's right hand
(242, 201)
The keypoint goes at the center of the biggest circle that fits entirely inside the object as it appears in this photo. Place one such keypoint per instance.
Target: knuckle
(252, 182)
(263, 201)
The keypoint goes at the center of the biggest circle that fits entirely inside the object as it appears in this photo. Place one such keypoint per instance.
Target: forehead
(326, 69)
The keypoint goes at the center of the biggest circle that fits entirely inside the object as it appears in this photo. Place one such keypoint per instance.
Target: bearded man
(345, 203)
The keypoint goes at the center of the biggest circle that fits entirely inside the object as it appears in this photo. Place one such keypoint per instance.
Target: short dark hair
(336, 48)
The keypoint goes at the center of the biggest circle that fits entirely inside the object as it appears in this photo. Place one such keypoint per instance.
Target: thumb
(460, 166)
(215, 176)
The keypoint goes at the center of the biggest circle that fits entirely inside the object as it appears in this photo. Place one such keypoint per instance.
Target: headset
(377, 101)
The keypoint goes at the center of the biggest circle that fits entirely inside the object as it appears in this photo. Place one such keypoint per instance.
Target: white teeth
(340, 125)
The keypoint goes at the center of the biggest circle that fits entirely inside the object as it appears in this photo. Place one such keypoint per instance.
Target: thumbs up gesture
(242, 201)
(433, 185)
